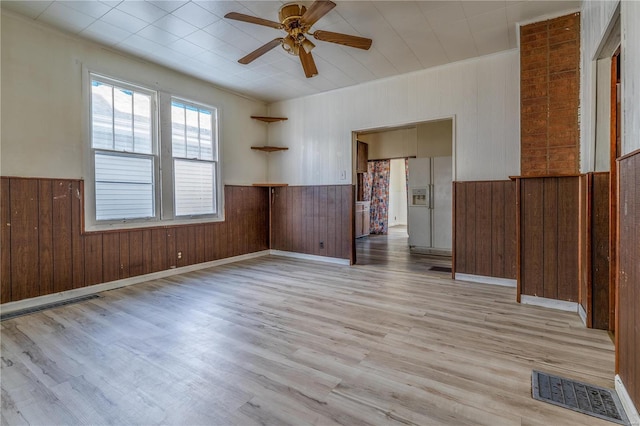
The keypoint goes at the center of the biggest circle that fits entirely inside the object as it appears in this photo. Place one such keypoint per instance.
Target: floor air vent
(440, 269)
(35, 309)
(587, 399)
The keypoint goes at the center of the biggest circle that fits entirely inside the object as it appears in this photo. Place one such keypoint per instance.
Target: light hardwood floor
(282, 341)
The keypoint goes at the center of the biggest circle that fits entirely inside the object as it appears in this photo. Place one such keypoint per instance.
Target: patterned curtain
(379, 173)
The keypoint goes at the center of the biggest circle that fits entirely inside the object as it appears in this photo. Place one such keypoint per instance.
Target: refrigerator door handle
(431, 189)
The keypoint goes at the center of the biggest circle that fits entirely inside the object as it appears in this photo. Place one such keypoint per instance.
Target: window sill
(151, 224)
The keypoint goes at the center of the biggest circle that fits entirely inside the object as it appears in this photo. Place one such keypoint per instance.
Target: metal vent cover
(577, 396)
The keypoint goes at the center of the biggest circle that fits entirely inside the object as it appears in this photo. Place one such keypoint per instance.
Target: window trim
(163, 174)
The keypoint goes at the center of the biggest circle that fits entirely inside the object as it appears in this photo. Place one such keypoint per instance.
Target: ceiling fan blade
(253, 20)
(317, 10)
(260, 51)
(308, 64)
(344, 39)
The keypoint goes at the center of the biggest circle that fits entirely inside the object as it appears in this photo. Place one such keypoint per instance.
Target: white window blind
(122, 142)
(195, 154)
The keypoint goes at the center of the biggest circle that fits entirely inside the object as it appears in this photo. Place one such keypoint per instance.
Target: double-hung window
(124, 151)
(154, 158)
(194, 148)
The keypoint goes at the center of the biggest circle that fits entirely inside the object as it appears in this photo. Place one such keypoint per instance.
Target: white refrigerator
(430, 203)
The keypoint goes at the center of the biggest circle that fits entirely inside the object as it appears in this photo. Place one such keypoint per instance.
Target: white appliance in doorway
(430, 201)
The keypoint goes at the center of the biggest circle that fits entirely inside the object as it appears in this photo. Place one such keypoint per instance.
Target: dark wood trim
(518, 241)
(390, 158)
(546, 176)
(453, 230)
(627, 156)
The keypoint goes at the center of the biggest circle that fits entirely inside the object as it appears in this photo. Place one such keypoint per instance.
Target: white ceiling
(193, 37)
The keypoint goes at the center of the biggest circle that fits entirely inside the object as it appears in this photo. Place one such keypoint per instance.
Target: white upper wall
(483, 95)
(43, 117)
(596, 17)
(630, 11)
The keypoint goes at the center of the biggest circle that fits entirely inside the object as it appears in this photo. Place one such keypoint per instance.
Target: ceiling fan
(297, 20)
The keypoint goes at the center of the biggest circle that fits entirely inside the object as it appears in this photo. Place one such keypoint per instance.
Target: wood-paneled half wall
(485, 228)
(315, 220)
(45, 251)
(627, 328)
(549, 235)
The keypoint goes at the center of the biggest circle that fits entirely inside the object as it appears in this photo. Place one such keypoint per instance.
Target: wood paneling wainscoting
(45, 251)
(628, 312)
(485, 228)
(316, 220)
(548, 237)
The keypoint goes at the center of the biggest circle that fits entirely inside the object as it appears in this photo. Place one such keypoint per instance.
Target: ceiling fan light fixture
(290, 46)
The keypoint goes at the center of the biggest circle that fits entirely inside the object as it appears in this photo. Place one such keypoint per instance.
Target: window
(194, 150)
(122, 141)
(153, 157)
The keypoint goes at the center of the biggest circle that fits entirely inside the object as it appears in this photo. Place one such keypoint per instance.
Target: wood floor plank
(277, 340)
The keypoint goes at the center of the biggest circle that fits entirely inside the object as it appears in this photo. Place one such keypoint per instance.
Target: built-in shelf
(268, 119)
(270, 184)
(270, 148)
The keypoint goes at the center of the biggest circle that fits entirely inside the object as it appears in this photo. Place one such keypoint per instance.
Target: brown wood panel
(601, 304)
(303, 216)
(93, 259)
(24, 236)
(497, 232)
(532, 243)
(568, 231)
(330, 242)
(210, 242)
(321, 217)
(62, 240)
(135, 253)
(308, 193)
(147, 251)
(550, 238)
(5, 242)
(470, 216)
(484, 228)
(158, 250)
(124, 255)
(628, 314)
(111, 256)
(483, 213)
(45, 236)
(510, 230)
(77, 240)
(460, 234)
(549, 93)
(200, 243)
(171, 247)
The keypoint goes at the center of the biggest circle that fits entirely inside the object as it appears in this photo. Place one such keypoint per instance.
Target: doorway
(401, 207)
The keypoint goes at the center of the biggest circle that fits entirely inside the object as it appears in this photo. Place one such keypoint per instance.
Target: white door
(442, 202)
(419, 213)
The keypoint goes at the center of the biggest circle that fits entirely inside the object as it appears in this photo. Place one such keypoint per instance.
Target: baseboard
(583, 314)
(629, 408)
(561, 305)
(505, 282)
(98, 288)
(313, 257)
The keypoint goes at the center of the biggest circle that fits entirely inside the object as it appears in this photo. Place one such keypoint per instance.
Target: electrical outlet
(321, 244)
(179, 255)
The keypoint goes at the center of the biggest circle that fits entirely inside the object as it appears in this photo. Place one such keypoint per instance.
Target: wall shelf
(270, 148)
(268, 119)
